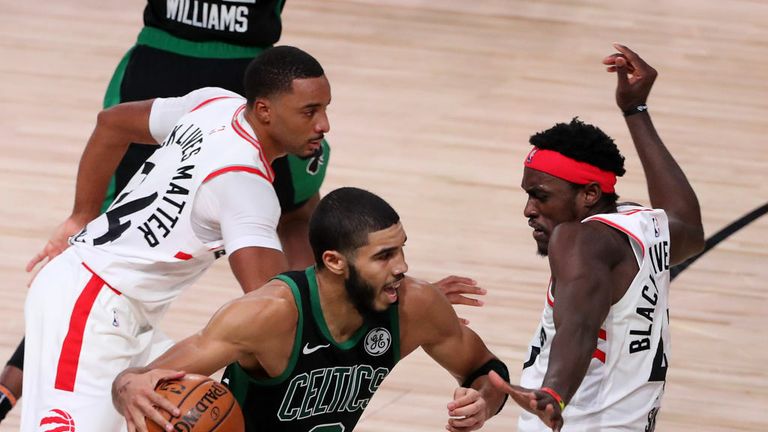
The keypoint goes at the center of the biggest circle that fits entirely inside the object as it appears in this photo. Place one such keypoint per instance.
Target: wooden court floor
(433, 103)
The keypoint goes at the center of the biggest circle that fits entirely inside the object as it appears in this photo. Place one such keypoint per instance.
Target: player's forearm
(668, 186)
(116, 128)
(294, 237)
(103, 152)
(294, 234)
(572, 350)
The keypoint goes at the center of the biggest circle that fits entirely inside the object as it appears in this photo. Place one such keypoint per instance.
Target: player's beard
(362, 295)
(315, 154)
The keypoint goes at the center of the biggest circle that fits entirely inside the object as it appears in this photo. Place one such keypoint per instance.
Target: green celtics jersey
(327, 385)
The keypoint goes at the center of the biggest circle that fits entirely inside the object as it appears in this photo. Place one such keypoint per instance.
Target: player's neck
(271, 150)
(600, 209)
(341, 316)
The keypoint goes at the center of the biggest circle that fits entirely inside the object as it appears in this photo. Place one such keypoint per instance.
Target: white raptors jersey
(624, 383)
(144, 245)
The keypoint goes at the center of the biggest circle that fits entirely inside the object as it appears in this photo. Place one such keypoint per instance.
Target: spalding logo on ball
(205, 406)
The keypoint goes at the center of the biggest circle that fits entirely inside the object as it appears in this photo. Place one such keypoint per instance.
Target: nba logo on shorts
(656, 229)
(57, 420)
(377, 341)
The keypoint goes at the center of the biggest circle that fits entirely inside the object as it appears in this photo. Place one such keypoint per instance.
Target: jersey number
(115, 226)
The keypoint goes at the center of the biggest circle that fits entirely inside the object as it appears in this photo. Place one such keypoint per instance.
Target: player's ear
(591, 194)
(262, 109)
(335, 262)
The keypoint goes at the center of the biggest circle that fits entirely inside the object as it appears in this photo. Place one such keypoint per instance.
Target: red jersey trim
(622, 229)
(206, 102)
(240, 130)
(631, 212)
(550, 298)
(248, 169)
(599, 354)
(183, 256)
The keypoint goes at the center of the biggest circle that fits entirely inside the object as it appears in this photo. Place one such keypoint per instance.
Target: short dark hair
(344, 218)
(274, 70)
(584, 143)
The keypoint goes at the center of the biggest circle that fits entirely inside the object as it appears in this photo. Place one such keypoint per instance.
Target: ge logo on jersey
(377, 341)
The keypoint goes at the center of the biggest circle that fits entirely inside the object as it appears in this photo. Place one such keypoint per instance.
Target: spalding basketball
(204, 404)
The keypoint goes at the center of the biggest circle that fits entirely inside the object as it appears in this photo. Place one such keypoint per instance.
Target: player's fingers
(500, 383)
(168, 374)
(458, 299)
(35, 260)
(611, 59)
(628, 53)
(464, 321)
(621, 72)
(457, 279)
(129, 424)
(135, 416)
(162, 402)
(469, 409)
(154, 415)
(462, 397)
(558, 425)
(458, 392)
(549, 415)
(465, 424)
(469, 289)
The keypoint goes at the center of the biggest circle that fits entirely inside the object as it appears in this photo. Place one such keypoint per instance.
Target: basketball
(205, 406)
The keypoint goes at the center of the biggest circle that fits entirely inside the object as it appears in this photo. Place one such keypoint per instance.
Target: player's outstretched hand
(457, 287)
(58, 241)
(540, 403)
(634, 76)
(133, 395)
(467, 411)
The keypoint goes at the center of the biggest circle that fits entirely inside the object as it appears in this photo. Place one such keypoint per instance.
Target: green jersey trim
(296, 341)
(314, 298)
(394, 317)
(162, 40)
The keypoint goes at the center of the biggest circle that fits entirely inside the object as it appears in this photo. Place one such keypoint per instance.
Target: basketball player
(599, 358)
(311, 347)
(91, 312)
(174, 55)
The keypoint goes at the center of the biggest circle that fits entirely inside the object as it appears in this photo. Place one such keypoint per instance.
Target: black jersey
(327, 385)
(242, 22)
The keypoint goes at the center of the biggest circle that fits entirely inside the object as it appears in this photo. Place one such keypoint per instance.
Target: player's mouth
(538, 231)
(391, 290)
(316, 143)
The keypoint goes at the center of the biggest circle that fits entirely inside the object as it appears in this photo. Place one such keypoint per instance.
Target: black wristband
(495, 365)
(17, 359)
(636, 110)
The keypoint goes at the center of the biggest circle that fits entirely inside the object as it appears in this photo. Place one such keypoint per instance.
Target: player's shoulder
(422, 301)
(271, 307)
(576, 240)
(215, 92)
(417, 291)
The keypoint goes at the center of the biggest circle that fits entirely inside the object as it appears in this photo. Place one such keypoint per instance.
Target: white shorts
(80, 333)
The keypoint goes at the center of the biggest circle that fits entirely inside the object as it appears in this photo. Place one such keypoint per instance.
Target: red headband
(563, 167)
